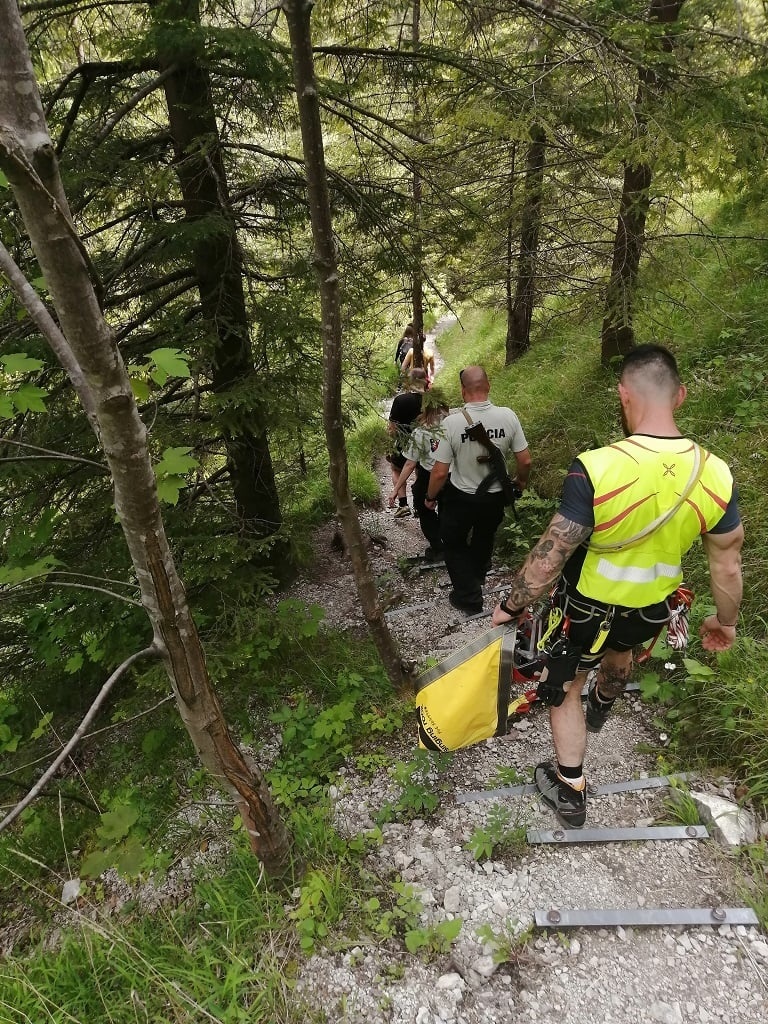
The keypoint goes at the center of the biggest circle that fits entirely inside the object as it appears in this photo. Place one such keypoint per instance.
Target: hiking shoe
(402, 511)
(597, 710)
(468, 609)
(430, 555)
(569, 805)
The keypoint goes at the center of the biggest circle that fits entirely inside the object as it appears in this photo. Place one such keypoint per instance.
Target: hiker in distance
(628, 514)
(472, 501)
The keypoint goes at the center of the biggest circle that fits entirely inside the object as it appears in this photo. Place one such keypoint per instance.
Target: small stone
(485, 966)
(575, 947)
(759, 948)
(451, 980)
(452, 899)
(71, 891)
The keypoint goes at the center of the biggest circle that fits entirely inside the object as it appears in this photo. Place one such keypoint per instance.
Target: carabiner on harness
(602, 633)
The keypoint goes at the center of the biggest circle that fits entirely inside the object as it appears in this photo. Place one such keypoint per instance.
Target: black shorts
(629, 627)
(396, 459)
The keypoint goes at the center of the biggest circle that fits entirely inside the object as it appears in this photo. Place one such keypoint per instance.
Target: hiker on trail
(402, 416)
(628, 514)
(428, 354)
(404, 346)
(472, 501)
(419, 453)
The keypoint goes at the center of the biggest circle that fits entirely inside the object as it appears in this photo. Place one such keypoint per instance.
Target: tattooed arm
(543, 565)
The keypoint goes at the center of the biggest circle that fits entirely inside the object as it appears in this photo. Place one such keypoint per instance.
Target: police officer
(628, 514)
(468, 519)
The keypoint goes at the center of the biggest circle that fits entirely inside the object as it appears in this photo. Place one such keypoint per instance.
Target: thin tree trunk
(297, 13)
(28, 159)
(519, 322)
(218, 265)
(510, 259)
(617, 333)
(417, 247)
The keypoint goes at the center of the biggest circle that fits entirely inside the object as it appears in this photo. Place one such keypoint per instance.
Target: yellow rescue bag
(465, 699)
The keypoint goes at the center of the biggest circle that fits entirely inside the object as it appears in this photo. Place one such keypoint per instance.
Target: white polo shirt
(423, 444)
(455, 447)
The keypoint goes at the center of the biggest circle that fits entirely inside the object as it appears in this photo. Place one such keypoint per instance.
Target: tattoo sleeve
(545, 562)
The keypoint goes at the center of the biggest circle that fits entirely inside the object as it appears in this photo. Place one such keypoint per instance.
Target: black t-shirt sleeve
(576, 502)
(731, 517)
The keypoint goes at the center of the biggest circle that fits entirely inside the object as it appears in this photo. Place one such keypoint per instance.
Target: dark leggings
(428, 518)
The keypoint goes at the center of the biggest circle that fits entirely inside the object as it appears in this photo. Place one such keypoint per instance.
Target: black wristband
(514, 612)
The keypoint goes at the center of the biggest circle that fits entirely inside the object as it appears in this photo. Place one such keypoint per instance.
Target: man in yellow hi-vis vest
(628, 514)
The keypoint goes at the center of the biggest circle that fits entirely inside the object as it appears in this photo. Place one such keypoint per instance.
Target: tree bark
(417, 247)
(28, 159)
(297, 13)
(519, 320)
(618, 335)
(218, 266)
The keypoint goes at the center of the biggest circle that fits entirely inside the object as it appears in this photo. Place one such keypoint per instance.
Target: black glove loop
(560, 670)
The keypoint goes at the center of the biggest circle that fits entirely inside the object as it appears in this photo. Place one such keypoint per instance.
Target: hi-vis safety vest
(636, 481)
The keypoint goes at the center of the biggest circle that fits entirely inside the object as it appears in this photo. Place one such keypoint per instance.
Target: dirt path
(617, 974)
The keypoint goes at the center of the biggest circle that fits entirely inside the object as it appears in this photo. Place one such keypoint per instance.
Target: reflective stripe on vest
(636, 480)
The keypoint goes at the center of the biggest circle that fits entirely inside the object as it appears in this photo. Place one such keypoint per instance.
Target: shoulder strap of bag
(696, 472)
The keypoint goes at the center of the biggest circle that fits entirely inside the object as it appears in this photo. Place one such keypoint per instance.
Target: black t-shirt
(405, 409)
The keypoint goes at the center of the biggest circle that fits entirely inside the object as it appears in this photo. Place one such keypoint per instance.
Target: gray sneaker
(402, 511)
(569, 805)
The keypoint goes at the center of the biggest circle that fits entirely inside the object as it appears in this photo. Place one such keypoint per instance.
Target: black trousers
(468, 525)
(428, 518)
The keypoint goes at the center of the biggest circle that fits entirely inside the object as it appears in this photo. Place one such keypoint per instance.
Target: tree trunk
(417, 248)
(617, 333)
(218, 265)
(519, 321)
(28, 159)
(297, 13)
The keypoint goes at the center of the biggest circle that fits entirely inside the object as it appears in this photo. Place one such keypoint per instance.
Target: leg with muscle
(569, 733)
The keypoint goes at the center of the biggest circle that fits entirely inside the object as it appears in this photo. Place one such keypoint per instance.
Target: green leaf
(132, 858)
(95, 863)
(168, 488)
(74, 664)
(6, 407)
(169, 362)
(695, 668)
(19, 362)
(176, 462)
(116, 824)
(42, 725)
(29, 398)
(450, 929)
(141, 390)
(3, 180)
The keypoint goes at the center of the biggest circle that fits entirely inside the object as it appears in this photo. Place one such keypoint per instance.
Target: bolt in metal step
(617, 835)
(642, 916)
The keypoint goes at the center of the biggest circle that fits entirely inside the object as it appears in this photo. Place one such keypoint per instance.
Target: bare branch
(151, 651)
(49, 454)
(48, 327)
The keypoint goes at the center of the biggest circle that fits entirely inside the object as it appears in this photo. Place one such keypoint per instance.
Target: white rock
(423, 1016)
(731, 824)
(71, 891)
(450, 981)
(666, 1013)
(452, 899)
(484, 966)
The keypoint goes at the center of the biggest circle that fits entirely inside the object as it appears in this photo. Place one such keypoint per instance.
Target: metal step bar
(644, 916)
(647, 833)
(631, 786)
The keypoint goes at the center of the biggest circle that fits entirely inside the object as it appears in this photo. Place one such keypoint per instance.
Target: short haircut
(655, 363)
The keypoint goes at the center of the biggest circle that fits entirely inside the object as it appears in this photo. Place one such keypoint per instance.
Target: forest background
(208, 268)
